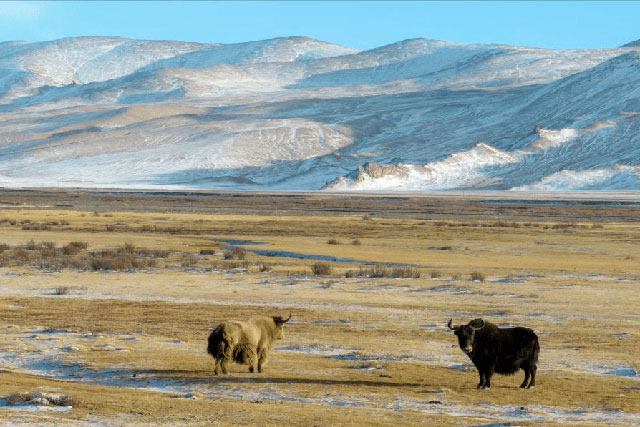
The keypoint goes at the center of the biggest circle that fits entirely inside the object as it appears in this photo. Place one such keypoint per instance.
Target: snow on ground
(53, 366)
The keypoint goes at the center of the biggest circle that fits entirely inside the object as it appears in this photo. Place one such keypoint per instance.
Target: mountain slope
(298, 113)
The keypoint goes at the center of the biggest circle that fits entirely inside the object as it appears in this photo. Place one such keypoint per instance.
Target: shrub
(35, 227)
(350, 274)
(435, 274)
(265, 267)
(235, 253)
(62, 290)
(406, 273)
(189, 261)
(477, 276)
(73, 248)
(321, 269)
(378, 270)
(333, 242)
(356, 242)
(207, 252)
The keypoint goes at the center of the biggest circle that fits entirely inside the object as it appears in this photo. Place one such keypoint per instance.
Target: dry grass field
(107, 299)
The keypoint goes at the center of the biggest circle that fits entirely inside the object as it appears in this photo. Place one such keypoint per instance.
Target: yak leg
(216, 366)
(487, 379)
(253, 360)
(262, 360)
(224, 365)
(532, 383)
(481, 383)
(526, 377)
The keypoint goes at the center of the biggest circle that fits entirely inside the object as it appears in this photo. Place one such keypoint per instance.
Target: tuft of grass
(356, 242)
(333, 242)
(435, 274)
(321, 269)
(207, 252)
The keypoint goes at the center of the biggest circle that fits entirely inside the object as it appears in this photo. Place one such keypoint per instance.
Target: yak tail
(536, 349)
(220, 345)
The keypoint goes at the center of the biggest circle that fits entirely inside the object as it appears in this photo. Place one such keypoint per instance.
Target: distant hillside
(302, 114)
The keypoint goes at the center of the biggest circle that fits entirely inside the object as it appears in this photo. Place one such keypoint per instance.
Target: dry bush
(505, 224)
(321, 268)
(4, 247)
(21, 256)
(35, 227)
(406, 273)
(189, 261)
(356, 242)
(153, 253)
(31, 245)
(72, 248)
(207, 252)
(477, 276)
(456, 276)
(264, 267)
(350, 274)
(7, 221)
(123, 258)
(435, 274)
(333, 242)
(61, 290)
(378, 270)
(235, 252)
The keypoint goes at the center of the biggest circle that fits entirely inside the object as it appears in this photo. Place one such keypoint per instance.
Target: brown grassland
(108, 297)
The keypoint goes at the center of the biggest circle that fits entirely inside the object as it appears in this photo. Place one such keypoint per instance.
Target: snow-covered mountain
(303, 114)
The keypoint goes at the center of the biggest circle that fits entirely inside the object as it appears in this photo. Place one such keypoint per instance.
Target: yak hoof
(251, 369)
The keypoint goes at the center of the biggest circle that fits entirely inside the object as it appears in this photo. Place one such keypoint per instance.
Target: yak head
(466, 334)
(279, 321)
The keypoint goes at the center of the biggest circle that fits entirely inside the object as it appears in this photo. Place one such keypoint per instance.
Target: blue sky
(360, 24)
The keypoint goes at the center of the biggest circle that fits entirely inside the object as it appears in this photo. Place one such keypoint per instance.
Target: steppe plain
(124, 343)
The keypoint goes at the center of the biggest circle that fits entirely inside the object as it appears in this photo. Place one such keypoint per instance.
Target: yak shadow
(198, 376)
(320, 381)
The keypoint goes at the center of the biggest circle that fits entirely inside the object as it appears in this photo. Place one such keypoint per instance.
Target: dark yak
(246, 343)
(500, 350)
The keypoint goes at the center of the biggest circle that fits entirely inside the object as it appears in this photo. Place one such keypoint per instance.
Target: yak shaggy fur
(499, 350)
(244, 342)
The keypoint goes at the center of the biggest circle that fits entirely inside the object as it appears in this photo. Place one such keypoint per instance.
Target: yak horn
(449, 325)
(288, 318)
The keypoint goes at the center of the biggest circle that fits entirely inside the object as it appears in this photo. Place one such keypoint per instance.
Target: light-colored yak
(246, 343)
